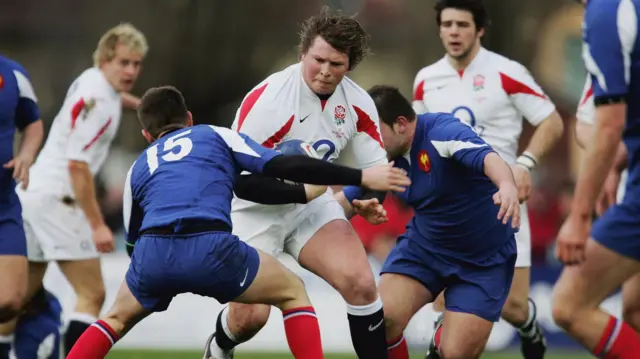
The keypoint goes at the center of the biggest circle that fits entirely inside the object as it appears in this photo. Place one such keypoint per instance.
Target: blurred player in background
(461, 238)
(601, 258)
(18, 109)
(37, 335)
(182, 235)
(493, 94)
(61, 216)
(314, 101)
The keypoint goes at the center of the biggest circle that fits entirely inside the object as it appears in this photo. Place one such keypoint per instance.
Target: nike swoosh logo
(374, 327)
(245, 278)
(304, 118)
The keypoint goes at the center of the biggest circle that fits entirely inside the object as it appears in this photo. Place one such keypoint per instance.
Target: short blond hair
(123, 34)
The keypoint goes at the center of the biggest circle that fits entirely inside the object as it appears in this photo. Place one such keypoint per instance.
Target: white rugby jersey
(83, 131)
(344, 128)
(492, 95)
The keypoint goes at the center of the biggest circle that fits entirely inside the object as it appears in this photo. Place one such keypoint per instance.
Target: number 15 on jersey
(175, 148)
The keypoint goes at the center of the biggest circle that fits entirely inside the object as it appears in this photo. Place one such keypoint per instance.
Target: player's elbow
(553, 126)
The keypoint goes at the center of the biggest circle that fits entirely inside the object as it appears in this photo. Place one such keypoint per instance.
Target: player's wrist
(527, 161)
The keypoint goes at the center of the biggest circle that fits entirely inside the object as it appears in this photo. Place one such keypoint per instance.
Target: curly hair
(343, 33)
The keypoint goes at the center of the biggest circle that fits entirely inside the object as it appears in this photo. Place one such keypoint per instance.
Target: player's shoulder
(92, 83)
(503, 65)
(430, 71)
(13, 65)
(277, 81)
(356, 95)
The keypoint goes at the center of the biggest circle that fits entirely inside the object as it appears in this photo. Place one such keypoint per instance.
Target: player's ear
(480, 33)
(189, 119)
(400, 125)
(147, 135)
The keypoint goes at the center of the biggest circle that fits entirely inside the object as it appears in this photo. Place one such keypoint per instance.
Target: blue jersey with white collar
(187, 176)
(612, 56)
(18, 109)
(455, 215)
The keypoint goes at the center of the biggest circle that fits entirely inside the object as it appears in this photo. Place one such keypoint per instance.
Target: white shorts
(278, 229)
(523, 239)
(55, 231)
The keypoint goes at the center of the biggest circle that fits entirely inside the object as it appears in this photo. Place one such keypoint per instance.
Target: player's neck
(461, 63)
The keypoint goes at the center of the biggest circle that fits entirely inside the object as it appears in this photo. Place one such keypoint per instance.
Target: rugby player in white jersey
(314, 101)
(492, 94)
(61, 214)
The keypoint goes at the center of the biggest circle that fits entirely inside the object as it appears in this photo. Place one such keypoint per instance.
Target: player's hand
(523, 181)
(572, 238)
(609, 194)
(385, 178)
(371, 210)
(314, 191)
(507, 199)
(20, 165)
(103, 239)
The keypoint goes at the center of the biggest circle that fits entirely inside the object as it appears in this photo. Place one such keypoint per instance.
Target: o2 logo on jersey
(177, 147)
(467, 116)
(327, 146)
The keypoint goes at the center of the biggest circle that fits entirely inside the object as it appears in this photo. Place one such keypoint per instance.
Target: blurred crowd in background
(214, 51)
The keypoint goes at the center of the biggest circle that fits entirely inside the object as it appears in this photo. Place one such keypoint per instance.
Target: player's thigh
(481, 291)
(263, 227)
(326, 244)
(584, 286)
(273, 284)
(464, 335)
(402, 296)
(523, 239)
(85, 277)
(13, 259)
(631, 302)
(126, 311)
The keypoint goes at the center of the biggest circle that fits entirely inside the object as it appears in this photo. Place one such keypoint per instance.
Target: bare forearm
(85, 194)
(546, 136)
(498, 170)
(599, 158)
(32, 139)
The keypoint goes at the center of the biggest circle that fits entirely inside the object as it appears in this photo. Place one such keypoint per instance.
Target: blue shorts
(619, 228)
(12, 237)
(211, 264)
(473, 289)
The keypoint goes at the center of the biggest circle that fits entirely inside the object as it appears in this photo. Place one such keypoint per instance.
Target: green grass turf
(151, 354)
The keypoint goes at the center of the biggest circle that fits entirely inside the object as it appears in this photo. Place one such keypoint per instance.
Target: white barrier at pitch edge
(190, 318)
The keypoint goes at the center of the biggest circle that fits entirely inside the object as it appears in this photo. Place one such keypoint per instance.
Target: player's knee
(93, 296)
(563, 311)
(456, 351)
(631, 315)
(516, 310)
(358, 287)
(246, 320)
(394, 322)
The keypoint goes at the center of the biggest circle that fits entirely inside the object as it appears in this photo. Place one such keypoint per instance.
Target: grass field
(124, 354)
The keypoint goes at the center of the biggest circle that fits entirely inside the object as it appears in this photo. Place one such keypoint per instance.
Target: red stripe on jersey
(587, 96)
(512, 86)
(98, 135)
(365, 124)
(75, 112)
(248, 104)
(278, 136)
(418, 94)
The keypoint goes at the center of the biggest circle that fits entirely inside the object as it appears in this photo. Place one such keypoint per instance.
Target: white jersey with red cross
(343, 128)
(82, 131)
(492, 95)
